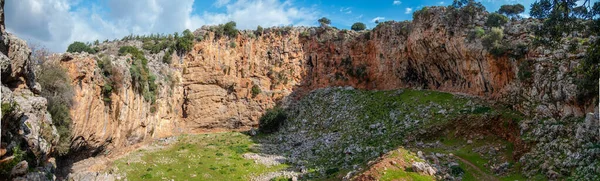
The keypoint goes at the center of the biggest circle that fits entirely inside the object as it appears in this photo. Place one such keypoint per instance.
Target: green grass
(395, 174)
(196, 157)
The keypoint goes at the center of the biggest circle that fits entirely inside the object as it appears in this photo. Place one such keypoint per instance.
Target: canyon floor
(343, 133)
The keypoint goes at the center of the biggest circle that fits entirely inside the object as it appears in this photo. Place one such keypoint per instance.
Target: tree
(259, 30)
(230, 29)
(78, 47)
(358, 26)
(512, 10)
(496, 20)
(324, 22)
(560, 17)
(460, 3)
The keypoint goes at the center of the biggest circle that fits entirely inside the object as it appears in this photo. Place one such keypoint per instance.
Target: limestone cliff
(26, 127)
(227, 83)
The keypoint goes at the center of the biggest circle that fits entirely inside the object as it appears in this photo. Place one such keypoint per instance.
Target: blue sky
(56, 23)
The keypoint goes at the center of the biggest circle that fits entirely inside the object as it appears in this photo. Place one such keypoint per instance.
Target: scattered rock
(424, 168)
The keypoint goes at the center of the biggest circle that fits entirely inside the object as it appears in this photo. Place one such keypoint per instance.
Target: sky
(55, 24)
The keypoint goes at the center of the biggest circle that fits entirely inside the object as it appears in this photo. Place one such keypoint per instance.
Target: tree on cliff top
(561, 17)
(496, 20)
(512, 10)
(324, 22)
(358, 26)
(80, 47)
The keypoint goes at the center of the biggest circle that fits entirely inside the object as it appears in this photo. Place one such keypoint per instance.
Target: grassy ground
(195, 157)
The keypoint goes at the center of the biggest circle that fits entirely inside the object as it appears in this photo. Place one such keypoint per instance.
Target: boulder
(19, 169)
(424, 168)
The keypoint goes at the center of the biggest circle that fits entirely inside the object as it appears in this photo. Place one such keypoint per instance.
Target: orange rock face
(217, 77)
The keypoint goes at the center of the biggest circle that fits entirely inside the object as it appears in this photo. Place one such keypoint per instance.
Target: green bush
(259, 30)
(106, 91)
(141, 78)
(185, 43)
(255, 90)
(525, 68)
(8, 108)
(57, 89)
(78, 47)
(493, 42)
(272, 120)
(496, 20)
(588, 72)
(6, 167)
(475, 33)
(167, 57)
(230, 29)
(456, 170)
(358, 26)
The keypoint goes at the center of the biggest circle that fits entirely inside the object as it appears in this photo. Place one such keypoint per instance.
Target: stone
(423, 168)
(469, 141)
(19, 169)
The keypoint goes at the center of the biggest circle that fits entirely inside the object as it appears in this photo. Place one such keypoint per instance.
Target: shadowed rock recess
(354, 99)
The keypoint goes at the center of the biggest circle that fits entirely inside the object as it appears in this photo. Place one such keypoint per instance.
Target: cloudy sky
(56, 23)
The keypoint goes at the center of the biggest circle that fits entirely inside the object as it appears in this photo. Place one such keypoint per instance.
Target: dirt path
(480, 172)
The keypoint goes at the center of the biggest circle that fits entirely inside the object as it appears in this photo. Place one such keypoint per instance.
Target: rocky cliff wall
(28, 135)
(227, 83)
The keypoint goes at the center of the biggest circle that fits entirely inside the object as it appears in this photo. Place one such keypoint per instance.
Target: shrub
(78, 47)
(167, 58)
(141, 78)
(255, 90)
(106, 91)
(358, 26)
(475, 33)
(259, 30)
(519, 51)
(496, 20)
(8, 108)
(184, 43)
(588, 72)
(305, 34)
(272, 120)
(525, 70)
(492, 42)
(573, 45)
(57, 89)
(232, 44)
(456, 170)
(6, 167)
(230, 29)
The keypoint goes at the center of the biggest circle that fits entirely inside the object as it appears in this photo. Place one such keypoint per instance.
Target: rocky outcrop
(27, 127)
(127, 118)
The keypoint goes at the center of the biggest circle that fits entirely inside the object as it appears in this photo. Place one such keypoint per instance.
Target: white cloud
(441, 2)
(397, 2)
(377, 19)
(221, 3)
(408, 10)
(57, 23)
(346, 10)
